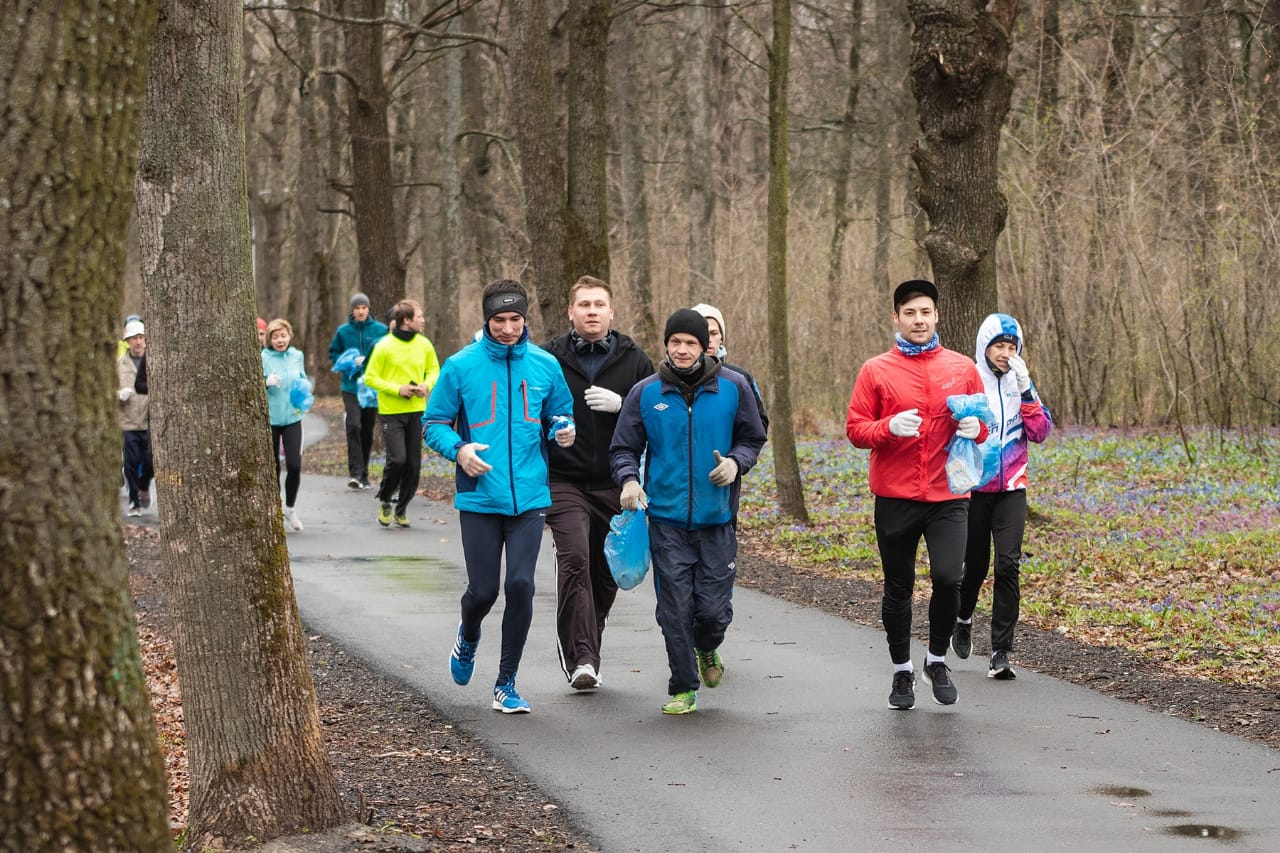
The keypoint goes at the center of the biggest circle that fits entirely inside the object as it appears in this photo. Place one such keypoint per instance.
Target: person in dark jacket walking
(360, 332)
(600, 367)
(700, 428)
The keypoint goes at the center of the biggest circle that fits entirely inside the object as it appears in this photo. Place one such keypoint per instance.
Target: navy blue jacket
(680, 435)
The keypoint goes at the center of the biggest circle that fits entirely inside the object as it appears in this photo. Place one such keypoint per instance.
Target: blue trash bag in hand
(300, 395)
(558, 423)
(346, 363)
(626, 548)
(968, 466)
(366, 396)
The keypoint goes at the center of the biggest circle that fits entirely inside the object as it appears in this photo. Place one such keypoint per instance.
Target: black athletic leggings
(291, 437)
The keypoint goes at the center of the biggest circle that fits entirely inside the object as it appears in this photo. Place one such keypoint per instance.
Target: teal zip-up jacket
(502, 396)
(288, 365)
(358, 336)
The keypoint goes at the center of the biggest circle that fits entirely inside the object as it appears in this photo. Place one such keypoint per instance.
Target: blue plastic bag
(366, 396)
(300, 395)
(967, 465)
(346, 363)
(558, 423)
(626, 548)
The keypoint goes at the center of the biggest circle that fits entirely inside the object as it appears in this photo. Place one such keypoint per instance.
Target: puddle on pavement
(416, 574)
(1203, 830)
(1123, 792)
(1169, 813)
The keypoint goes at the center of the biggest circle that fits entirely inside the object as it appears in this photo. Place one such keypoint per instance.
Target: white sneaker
(291, 519)
(585, 677)
(135, 511)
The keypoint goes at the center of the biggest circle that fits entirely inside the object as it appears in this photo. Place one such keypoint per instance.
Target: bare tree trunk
(587, 243)
(541, 167)
(700, 198)
(481, 218)
(959, 76)
(382, 271)
(786, 465)
(635, 191)
(442, 315)
(844, 167)
(82, 769)
(311, 253)
(258, 766)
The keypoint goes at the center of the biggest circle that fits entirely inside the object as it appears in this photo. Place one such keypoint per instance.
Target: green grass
(1127, 543)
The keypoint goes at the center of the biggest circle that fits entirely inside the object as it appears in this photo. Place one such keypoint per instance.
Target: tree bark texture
(635, 200)
(257, 762)
(382, 270)
(442, 311)
(587, 241)
(786, 465)
(533, 113)
(844, 168)
(82, 769)
(700, 198)
(959, 62)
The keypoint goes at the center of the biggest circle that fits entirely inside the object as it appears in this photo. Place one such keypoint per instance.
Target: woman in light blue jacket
(282, 366)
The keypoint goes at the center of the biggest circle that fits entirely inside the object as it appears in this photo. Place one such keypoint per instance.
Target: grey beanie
(359, 299)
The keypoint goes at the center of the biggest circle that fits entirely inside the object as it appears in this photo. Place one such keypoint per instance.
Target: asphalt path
(797, 749)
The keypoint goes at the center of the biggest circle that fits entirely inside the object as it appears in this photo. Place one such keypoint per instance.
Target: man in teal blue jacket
(700, 429)
(493, 398)
(360, 332)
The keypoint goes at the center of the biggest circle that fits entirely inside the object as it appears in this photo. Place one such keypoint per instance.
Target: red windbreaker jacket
(911, 468)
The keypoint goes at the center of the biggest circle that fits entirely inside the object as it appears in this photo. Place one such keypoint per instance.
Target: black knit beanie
(690, 322)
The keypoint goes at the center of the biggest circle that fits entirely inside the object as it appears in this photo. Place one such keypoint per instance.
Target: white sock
(968, 621)
(930, 659)
(904, 667)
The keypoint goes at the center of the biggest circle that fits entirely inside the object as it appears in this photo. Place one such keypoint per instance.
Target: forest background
(1140, 159)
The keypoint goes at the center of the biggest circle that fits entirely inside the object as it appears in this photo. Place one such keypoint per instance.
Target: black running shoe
(962, 639)
(903, 695)
(1000, 668)
(944, 689)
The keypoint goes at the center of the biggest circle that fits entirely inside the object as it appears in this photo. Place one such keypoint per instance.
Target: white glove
(124, 394)
(906, 424)
(359, 360)
(565, 436)
(602, 399)
(633, 497)
(726, 470)
(470, 462)
(1018, 368)
(969, 427)
(273, 381)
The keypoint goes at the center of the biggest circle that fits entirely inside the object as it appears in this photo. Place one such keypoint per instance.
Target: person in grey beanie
(360, 332)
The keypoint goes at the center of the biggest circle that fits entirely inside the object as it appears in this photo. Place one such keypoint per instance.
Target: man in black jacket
(600, 366)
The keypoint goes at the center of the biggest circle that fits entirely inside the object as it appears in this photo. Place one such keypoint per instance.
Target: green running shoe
(710, 667)
(682, 703)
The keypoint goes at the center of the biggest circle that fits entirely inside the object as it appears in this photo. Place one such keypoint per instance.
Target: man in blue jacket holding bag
(701, 429)
(487, 413)
(360, 332)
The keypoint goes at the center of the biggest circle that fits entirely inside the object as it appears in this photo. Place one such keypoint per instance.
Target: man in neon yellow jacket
(403, 369)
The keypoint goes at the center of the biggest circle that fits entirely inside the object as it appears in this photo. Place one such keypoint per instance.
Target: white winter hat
(133, 328)
(713, 313)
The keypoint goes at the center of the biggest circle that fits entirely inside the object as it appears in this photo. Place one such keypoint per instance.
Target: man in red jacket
(899, 411)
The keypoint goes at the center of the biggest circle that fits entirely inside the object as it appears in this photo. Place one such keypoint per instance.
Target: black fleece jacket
(586, 463)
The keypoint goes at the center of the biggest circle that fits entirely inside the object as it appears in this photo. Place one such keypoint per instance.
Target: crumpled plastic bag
(365, 396)
(968, 466)
(626, 548)
(346, 363)
(300, 396)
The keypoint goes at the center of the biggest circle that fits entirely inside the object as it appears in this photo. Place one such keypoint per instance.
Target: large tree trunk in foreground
(959, 62)
(82, 770)
(258, 766)
(587, 246)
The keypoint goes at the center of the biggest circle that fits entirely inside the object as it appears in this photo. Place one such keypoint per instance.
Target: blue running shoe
(462, 660)
(507, 700)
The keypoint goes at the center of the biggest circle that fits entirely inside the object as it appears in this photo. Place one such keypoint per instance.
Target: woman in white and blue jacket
(282, 365)
(998, 509)
(487, 412)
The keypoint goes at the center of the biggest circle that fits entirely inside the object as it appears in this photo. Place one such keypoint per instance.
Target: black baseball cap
(914, 287)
